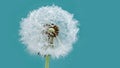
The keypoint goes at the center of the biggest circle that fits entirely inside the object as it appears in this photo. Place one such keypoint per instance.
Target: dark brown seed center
(52, 30)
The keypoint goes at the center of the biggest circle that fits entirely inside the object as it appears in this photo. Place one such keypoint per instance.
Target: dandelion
(49, 31)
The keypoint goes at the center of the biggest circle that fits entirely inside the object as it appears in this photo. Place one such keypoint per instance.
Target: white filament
(32, 28)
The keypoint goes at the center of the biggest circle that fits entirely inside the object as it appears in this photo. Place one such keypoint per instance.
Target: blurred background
(99, 36)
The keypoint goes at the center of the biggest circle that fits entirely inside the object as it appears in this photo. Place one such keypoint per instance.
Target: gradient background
(99, 38)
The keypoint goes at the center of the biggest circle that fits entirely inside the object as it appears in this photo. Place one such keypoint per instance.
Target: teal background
(99, 37)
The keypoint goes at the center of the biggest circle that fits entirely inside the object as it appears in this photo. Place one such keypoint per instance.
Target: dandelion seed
(49, 31)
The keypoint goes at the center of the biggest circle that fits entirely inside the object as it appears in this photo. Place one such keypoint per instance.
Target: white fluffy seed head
(32, 28)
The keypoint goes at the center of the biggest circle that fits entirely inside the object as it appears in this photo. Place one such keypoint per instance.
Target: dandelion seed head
(46, 22)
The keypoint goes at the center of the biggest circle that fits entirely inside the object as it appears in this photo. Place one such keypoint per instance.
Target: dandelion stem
(47, 59)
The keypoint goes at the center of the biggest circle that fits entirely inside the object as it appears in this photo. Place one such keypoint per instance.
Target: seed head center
(51, 30)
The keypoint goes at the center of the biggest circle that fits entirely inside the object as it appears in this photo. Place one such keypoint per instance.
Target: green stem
(47, 59)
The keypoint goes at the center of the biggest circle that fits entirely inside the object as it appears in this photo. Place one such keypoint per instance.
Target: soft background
(99, 38)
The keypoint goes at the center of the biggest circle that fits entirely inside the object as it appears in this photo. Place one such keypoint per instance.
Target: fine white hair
(32, 26)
